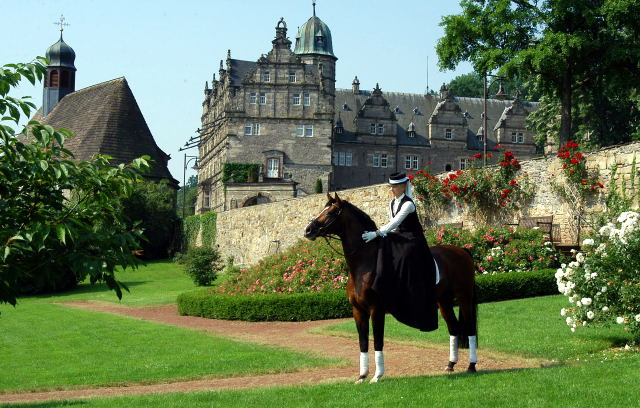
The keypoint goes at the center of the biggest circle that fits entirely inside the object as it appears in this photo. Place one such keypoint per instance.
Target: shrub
(318, 187)
(296, 307)
(309, 266)
(334, 304)
(499, 250)
(603, 284)
(202, 264)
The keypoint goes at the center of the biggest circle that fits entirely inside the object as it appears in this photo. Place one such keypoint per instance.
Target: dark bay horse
(343, 219)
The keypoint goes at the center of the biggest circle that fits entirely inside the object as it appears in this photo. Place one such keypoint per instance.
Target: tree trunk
(565, 114)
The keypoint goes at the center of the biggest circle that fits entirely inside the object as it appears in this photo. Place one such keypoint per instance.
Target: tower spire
(314, 7)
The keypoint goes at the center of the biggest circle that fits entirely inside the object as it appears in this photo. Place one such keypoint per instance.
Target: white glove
(369, 236)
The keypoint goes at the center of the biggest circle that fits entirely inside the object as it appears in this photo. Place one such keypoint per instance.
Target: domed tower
(61, 75)
(313, 44)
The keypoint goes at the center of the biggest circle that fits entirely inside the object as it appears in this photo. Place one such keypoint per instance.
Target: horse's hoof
(360, 379)
(375, 380)
(472, 368)
(450, 367)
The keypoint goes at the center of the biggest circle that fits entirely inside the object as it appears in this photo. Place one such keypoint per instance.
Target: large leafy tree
(59, 219)
(472, 85)
(574, 49)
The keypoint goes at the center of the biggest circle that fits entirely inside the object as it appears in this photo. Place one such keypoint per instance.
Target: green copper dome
(314, 37)
(61, 55)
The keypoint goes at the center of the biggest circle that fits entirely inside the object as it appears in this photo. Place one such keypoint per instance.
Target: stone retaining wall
(251, 233)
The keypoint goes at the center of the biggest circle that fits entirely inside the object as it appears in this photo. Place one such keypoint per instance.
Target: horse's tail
(469, 320)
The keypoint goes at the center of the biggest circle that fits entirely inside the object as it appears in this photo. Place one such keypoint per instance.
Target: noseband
(322, 228)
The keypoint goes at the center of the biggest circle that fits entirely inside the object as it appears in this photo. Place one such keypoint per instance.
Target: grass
(45, 346)
(612, 383)
(158, 282)
(529, 327)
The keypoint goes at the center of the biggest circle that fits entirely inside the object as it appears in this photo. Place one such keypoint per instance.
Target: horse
(457, 284)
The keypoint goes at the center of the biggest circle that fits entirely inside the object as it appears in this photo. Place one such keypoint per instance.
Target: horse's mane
(367, 222)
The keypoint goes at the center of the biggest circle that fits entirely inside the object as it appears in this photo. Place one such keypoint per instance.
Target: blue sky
(168, 49)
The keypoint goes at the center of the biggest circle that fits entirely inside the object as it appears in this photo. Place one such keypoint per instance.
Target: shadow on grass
(85, 288)
(48, 404)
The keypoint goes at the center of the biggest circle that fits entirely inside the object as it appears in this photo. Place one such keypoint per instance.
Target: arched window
(54, 79)
(447, 167)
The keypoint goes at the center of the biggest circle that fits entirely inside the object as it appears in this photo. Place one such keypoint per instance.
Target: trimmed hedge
(295, 307)
(331, 305)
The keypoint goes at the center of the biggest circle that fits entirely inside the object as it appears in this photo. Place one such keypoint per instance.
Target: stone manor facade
(283, 113)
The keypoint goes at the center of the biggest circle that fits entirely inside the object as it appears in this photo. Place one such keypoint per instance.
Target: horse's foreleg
(449, 316)
(362, 324)
(377, 320)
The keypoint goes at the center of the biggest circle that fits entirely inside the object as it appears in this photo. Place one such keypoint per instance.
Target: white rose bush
(602, 284)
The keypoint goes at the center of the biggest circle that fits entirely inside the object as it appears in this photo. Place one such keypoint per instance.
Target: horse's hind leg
(469, 323)
(362, 324)
(449, 316)
(377, 321)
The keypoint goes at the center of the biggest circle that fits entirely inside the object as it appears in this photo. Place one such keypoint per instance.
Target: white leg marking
(379, 367)
(453, 349)
(364, 367)
(473, 349)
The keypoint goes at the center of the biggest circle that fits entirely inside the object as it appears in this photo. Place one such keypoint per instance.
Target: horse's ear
(338, 200)
(329, 196)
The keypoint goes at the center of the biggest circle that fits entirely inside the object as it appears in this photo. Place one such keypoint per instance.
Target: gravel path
(400, 359)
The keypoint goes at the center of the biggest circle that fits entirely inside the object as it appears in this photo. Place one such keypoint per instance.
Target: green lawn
(158, 282)
(529, 327)
(44, 345)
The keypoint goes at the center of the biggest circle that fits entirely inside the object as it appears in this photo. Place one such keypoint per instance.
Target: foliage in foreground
(603, 282)
(61, 220)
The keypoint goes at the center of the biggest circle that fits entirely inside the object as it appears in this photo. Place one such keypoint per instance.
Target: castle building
(284, 114)
(105, 118)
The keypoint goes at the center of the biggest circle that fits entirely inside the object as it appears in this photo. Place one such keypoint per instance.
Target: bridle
(322, 228)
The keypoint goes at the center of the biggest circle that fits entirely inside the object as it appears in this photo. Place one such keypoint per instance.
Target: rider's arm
(407, 208)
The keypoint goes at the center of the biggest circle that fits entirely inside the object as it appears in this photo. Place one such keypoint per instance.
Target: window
(248, 130)
(206, 200)
(372, 129)
(308, 131)
(54, 79)
(517, 137)
(263, 98)
(292, 77)
(256, 128)
(380, 129)
(448, 134)
(447, 167)
(412, 133)
(296, 99)
(339, 130)
(304, 130)
(411, 162)
(252, 98)
(273, 168)
(266, 77)
(464, 164)
(307, 99)
(380, 160)
(342, 158)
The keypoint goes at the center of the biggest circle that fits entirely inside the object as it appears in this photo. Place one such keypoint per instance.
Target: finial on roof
(314, 7)
(228, 54)
(62, 24)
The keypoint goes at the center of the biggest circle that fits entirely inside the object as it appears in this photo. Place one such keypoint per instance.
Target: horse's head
(325, 223)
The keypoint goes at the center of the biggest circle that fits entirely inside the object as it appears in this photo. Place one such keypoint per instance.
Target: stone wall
(249, 234)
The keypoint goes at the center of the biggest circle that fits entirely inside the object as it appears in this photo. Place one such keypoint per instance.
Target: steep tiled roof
(105, 118)
(417, 109)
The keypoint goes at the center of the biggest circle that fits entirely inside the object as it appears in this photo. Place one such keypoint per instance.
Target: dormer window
(416, 111)
(320, 40)
(448, 134)
(397, 110)
(266, 76)
(345, 107)
(372, 129)
(412, 133)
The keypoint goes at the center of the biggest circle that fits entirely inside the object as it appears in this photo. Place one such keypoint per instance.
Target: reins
(326, 236)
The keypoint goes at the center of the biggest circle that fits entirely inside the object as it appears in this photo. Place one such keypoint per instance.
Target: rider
(406, 271)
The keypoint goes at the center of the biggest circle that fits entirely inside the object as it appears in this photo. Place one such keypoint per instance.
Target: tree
(153, 205)
(58, 217)
(190, 196)
(568, 46)
(472, 85)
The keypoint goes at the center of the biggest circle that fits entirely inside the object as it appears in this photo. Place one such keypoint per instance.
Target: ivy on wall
(194, 225)
(239, 172)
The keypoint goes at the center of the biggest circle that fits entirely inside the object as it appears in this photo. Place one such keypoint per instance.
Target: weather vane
(61, 23)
